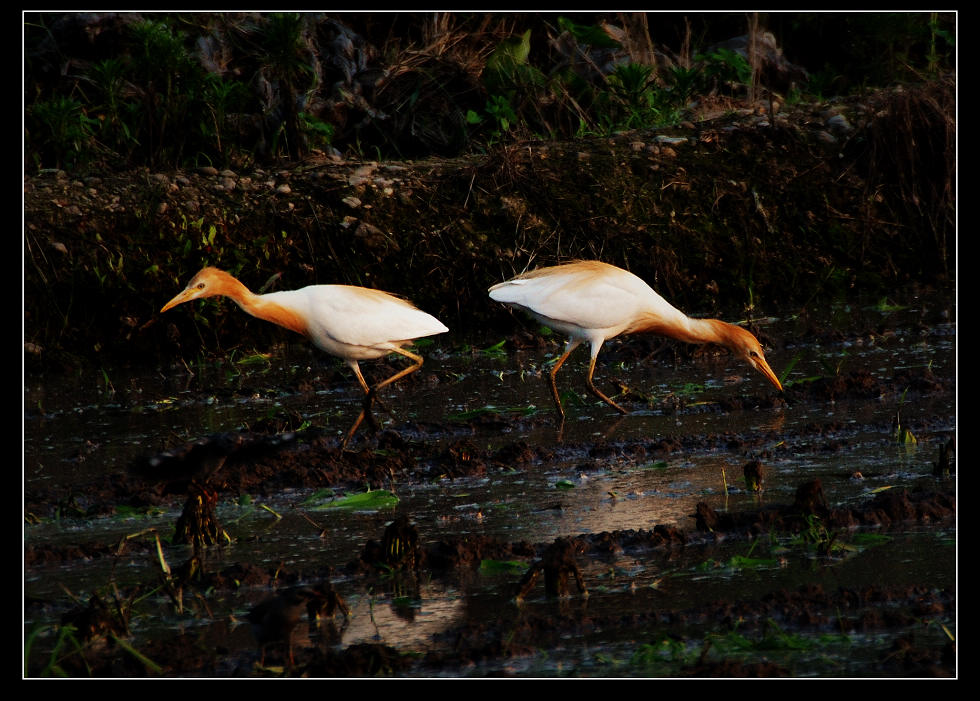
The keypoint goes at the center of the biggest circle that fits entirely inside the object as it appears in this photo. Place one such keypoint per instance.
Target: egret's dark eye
(200, 285)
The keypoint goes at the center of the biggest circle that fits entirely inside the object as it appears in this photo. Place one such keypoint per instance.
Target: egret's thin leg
(569, 347)
(417, 359)
(595, 390)
(370, 393)
(360, 417)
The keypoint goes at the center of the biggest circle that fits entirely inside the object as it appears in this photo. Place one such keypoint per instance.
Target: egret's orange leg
(365, 406)
(572, 345)
(596, 392)
(371, 392)
(569, 347)
(368, 395)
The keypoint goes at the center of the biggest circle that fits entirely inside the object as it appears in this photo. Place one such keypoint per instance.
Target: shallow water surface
(592, 480)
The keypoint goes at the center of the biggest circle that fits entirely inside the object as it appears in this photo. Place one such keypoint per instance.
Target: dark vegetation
(281, 145)
(128, 90)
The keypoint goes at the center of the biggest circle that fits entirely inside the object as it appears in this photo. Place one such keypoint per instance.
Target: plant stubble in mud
(782, 581)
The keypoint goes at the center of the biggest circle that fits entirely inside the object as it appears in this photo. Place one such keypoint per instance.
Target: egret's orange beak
(185, 296)
(762, 366)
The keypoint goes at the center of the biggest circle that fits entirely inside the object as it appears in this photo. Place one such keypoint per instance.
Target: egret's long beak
(762, 366)
(185, 296)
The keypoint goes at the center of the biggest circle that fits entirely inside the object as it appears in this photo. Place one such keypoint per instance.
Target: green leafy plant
(286, 62)
(502, 113)
(667, 651)
(491, 409)
(60, 133)
(168, 93)
(938, 35)
(742, 562)
(683, 83)
(508, 70)
(319, 134)
(502, 567)
(496, 351)
(222, 98)
(66, 643)
(724, 67)
(631, 96)
(900, 432)
(372, 500)
(592, 35)
(110, 81)
(784, 376)
(816, 535)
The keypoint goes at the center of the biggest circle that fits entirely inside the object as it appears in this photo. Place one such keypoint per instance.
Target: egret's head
(746, 346)
(207, 283)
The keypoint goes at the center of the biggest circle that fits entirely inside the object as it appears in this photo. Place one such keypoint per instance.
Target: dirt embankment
(736, 207)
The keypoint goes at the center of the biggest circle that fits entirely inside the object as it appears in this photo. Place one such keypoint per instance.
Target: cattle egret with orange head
(591, 301)
(352, 323)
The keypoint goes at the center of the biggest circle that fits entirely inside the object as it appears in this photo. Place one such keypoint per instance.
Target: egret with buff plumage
(348, 322)
(592, 302)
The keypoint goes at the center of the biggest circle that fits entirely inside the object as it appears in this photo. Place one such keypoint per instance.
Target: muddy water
(94, 424)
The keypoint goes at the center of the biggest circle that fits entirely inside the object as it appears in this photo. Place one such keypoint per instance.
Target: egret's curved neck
(228, 286)
(260, 306)
(683, 328)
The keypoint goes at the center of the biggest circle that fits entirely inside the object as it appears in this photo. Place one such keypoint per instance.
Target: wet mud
(549, 599)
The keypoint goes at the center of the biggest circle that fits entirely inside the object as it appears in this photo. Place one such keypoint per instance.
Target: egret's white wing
(359, 316)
